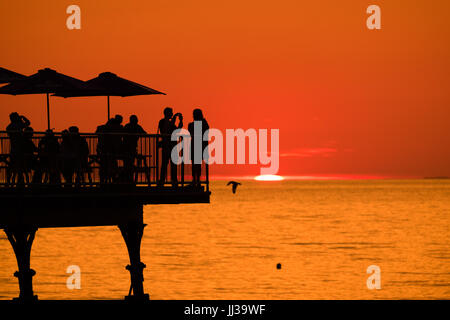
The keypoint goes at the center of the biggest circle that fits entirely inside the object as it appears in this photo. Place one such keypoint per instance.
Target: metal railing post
(182, 162)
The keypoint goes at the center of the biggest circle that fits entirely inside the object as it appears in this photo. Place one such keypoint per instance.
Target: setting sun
(269, 177)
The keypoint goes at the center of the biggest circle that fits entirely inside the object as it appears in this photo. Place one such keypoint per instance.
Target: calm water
(325, 234)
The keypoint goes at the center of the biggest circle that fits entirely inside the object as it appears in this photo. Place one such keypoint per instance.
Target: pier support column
(21, 239)
(132, 234)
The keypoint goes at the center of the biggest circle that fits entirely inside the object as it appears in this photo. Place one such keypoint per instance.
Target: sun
(269, 177)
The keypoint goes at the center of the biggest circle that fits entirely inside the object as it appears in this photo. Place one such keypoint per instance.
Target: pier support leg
(132, 234)
(21, 239)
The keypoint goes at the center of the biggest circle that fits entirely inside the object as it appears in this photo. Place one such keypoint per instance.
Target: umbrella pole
(108, 109)
(48, 113)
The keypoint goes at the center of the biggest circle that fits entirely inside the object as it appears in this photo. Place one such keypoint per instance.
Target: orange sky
(347, 100)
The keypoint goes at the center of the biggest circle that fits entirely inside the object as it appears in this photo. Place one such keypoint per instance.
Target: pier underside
(80, 207)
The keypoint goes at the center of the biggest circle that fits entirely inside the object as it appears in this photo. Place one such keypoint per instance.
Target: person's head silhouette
(118, 118)
(198, 115)
(65, 135)
(74, 130)
(14, 117)
(168, 113)
(111, 122)
(133, 119)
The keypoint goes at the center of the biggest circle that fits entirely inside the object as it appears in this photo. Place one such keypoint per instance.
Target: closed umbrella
(108, 84)
(44, 81)
(7, 76)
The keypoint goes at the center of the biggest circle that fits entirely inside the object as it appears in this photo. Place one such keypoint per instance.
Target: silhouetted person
(130, 142)
(29, 154)
(15, 129)
(117, 128)
(15, 133)
(68, 158)
(166, 127)
(234, 185)
(131, 130)
(48, 150)
(195, 138)
(106, 150)
(118, 119)
(80, 152)
(101, 129)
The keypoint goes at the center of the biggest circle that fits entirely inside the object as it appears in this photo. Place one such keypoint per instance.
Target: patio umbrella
(108, 84)
(7, 76)
(44, 81)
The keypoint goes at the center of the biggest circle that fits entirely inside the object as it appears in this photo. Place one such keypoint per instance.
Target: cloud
(310, 152)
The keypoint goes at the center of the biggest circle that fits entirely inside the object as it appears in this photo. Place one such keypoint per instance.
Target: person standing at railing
(196, 136)
(15, 133)
(166, 127)
(15, 128)
(132, 130)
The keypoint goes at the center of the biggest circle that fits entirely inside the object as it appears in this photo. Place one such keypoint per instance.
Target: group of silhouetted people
(166, 127)
(118, 142)
(45, 162)
(70, 156)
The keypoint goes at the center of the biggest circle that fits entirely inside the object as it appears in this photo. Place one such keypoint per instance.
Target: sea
(316, 239)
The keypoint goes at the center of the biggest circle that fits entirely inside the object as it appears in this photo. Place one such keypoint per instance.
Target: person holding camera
(166, 127)
(15, 132)
(17, 125)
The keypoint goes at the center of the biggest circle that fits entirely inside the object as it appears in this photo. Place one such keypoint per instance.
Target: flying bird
(234, 185)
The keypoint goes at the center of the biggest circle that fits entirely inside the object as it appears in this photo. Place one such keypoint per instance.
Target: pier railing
(88, 160)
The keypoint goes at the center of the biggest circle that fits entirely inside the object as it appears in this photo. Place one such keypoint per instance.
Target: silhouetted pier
(88, 200)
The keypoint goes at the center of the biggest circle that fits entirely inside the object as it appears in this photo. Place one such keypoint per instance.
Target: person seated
(48, 150)
(106, 150)
(80, 152)
(68, 158)
(131, 130)
(117, 128)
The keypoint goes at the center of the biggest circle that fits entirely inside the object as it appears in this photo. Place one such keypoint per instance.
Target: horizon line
(331, 177)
